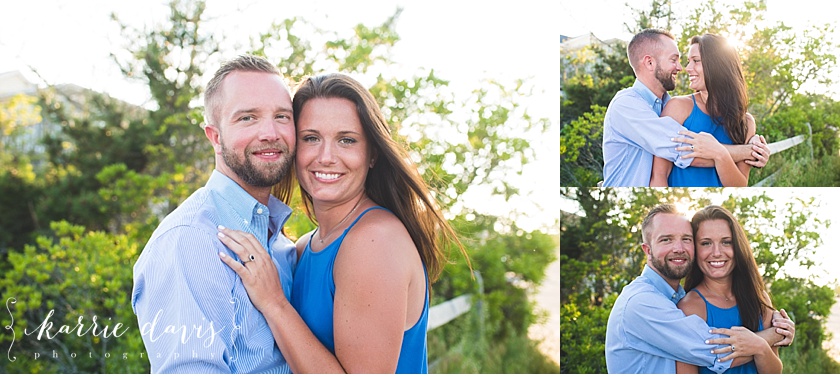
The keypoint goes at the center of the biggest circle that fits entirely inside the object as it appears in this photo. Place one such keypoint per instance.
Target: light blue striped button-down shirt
(647, 333)
(193, 311)
(634, 133)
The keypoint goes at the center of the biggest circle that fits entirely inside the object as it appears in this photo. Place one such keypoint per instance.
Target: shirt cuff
(721, 367)
(683, 162)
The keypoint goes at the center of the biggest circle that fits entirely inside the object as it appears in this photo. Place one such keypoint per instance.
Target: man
(193, 310)
(647, 333)
(633, 130)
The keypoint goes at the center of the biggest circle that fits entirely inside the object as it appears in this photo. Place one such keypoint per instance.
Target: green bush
(71, 278)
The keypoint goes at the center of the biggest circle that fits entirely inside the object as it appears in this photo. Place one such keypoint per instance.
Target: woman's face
(713, 249)
(333, 157)
(694, 69)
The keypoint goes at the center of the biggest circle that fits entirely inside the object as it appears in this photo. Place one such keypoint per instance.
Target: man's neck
(261, 194)
(674, 283)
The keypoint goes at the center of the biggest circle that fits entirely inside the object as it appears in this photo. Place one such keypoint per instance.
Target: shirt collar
(662, 286)
(650, 98)
(245, 205)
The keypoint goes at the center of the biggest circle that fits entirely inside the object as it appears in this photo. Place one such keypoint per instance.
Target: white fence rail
(783, 145)
(449, 310)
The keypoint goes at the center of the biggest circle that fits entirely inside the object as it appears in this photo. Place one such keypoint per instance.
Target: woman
(360, 296)
(726, 289)
(715, 115)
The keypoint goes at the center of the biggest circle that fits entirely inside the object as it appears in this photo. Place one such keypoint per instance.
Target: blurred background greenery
(85, 178)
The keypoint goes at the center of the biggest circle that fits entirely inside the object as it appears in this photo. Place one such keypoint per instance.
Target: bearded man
(193, 311)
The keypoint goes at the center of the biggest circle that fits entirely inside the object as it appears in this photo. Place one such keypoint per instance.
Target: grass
(823, 172)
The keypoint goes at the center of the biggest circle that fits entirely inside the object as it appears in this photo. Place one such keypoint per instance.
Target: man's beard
(665, 78)
(243, 167)
(666, 270)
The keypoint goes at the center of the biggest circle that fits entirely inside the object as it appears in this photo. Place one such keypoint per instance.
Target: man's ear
(646, 248)
(649, 63)
(214, 136)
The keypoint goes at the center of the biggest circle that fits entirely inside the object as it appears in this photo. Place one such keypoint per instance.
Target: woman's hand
(257, 270)
(741, 342)
(700, 145)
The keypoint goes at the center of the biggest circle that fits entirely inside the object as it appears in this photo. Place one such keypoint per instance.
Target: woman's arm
(768, 362)
(742, 167)
(380, 291)
(660, 172)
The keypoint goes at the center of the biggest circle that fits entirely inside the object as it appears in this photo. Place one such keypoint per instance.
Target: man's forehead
(671, 223)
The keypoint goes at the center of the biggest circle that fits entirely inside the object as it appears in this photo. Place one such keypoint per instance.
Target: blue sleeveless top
(699, 121)
(313, 292)
(727, 318)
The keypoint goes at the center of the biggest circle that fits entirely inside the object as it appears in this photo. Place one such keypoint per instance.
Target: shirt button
(259, 211)
(245, 221)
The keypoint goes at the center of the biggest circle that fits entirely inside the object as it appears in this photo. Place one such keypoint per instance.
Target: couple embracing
(350, 296)
(708, 135)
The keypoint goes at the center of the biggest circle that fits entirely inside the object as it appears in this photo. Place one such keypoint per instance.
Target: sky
(463, 41)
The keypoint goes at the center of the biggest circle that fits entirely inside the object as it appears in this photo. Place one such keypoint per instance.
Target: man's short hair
(242, 63)
(658, 209)
(645, 42)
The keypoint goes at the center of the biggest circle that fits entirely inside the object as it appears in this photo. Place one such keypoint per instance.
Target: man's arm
(756, 153)
(665, 331)
(632, 120)
(177, 289)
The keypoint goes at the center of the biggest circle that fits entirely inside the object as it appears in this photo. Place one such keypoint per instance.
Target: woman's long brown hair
(724, 79)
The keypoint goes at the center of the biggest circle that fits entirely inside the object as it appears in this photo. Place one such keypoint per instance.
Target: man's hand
(761, 152)
(784, 326)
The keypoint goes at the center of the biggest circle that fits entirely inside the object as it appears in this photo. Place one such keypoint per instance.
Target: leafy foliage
(82, 281)
(113, 170)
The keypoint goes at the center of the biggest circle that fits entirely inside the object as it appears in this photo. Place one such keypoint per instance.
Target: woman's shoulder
(379, 230)
(693, 304)
(377, 246)
(679, 108)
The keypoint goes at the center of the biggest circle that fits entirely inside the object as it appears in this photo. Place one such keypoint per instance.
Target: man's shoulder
(194, 211)
(625, 94)
(640, 288)
(190, 224)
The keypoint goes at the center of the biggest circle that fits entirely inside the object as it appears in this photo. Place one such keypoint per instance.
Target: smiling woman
(725, 287)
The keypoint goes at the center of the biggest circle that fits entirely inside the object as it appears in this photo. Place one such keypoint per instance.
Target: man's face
(668, 63)
(256, 130)
(670, 246)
